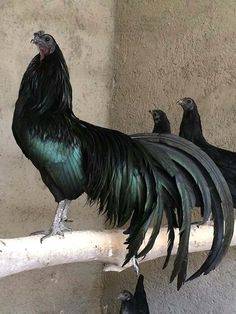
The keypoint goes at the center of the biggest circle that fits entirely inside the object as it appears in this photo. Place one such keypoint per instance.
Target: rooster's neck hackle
(45, 87)
(44, 105)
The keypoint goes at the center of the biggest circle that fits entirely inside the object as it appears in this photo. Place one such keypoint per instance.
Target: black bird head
(45, 43)
(157, 115)
(186, 103)
(161, 122)
(125, 295)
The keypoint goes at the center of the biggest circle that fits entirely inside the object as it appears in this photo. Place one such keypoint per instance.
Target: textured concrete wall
(166, 50)
(84, 31)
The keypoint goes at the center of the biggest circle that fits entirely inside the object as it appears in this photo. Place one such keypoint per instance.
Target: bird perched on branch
(137, 303)
(127, 176)
(191, 129)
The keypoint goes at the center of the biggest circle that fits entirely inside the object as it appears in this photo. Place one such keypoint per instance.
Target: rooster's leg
(65, 212)
(58, 226)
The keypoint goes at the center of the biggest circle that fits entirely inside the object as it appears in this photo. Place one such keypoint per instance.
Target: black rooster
(137, 303)
(191, 129)
(127, 176)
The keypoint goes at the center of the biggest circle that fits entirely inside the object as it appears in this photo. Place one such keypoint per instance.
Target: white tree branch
(21, 254)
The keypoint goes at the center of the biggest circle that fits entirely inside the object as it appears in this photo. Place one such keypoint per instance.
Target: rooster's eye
(47, 38)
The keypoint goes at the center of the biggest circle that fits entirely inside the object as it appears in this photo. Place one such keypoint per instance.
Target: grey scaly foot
(58, 226)
(56, 229)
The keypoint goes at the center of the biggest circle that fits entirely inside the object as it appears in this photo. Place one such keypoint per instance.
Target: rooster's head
(45, 43)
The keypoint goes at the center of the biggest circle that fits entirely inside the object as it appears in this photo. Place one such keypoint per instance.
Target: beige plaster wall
(165, 50)
(84, 31)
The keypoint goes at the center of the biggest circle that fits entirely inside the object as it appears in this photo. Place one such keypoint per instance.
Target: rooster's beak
(179, 102)
(120, 296)
(37, 41)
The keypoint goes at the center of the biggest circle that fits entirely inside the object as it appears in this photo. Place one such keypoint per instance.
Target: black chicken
(126, 176)
(161, 122)
(191, 129)
(137, 303)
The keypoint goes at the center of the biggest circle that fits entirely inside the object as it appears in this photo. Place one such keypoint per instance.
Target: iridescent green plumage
(128, 177)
